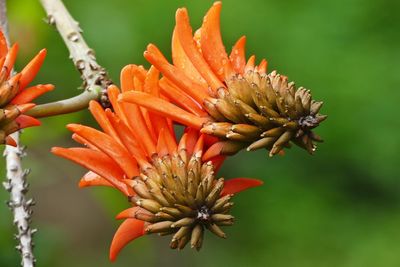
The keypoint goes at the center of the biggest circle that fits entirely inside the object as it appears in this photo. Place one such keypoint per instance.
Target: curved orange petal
(192, 135)
(25, 121)
(3, 45)
(31, 93)
(211, 43)
(250, 64)
(133, 118)
(93, 179)
(128, 213)
(99, 163)
(100, 116)
(33, 67)
(126, 77)
(80, 140)
(9, 61)
(217, 162)
(237, 56)
(163, 108)
(151, 82)
(176, 95)
(10, 141)
(128, 139)
(181, 61)
(213, 151)
(169, 138)
(195, 90)
(109, 146)
(184, 31)
(262, 67)
(199, 144)
(129, 230)
(162, 148)
(237, 185)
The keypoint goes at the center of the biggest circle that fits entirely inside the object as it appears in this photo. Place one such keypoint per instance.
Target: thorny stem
(95, 79)
(16, 183)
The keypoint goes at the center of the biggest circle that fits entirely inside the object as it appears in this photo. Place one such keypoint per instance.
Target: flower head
(15, 97)
(173, 189)
(229, 97)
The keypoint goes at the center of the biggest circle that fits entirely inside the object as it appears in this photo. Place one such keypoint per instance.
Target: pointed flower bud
(15, 98)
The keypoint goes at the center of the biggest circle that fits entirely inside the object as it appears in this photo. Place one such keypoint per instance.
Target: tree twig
(16, 182)
(95, 78)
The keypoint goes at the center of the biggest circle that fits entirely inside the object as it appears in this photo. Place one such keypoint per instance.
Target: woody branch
(16, 182)
(95, 79)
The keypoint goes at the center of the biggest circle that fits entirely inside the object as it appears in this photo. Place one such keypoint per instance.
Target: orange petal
(250, 64)
(93, 179)
(31, 93)
(33, 67)
(182, 62)
(3, 45)
(262, 68)
(133, 118)
(8, 89)
(184, 31)
(128, 74)
(217, 162)
(80, 140)
(175, 75)
(129, 230)
(128, 140)
(100, 116)
(25, 121)
(209, 140)
(10, 141)
(98, 162)
(213, 151)
(163, 108)
(237, 56)
(109, 146)
(151, 82)
(128, 213)
(211, 43)
(167, 140)
(127, 78)
(199, 144)
(192, 135)
(170, 141)
(9, 61)
(2, 59)
(162, 148)
(180, 97)
(147, 116)
(237, 185)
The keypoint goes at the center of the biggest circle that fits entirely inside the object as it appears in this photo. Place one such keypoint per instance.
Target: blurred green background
(340, 207)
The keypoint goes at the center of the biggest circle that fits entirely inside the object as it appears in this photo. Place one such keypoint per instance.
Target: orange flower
(172, 188)
(15, 98)
(228, 97)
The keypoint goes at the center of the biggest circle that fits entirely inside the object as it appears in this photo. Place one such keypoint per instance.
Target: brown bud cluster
(180, 196)
(263, 111)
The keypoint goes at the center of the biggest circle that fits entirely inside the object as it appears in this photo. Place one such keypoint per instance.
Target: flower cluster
(15, 96)
(228, 96)
(226, 103)
(171, 185)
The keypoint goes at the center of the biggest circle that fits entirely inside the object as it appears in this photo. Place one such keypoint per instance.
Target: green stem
(65, 106)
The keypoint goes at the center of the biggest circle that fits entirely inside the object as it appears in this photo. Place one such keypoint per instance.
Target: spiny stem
(95, 79)
(16, 182)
